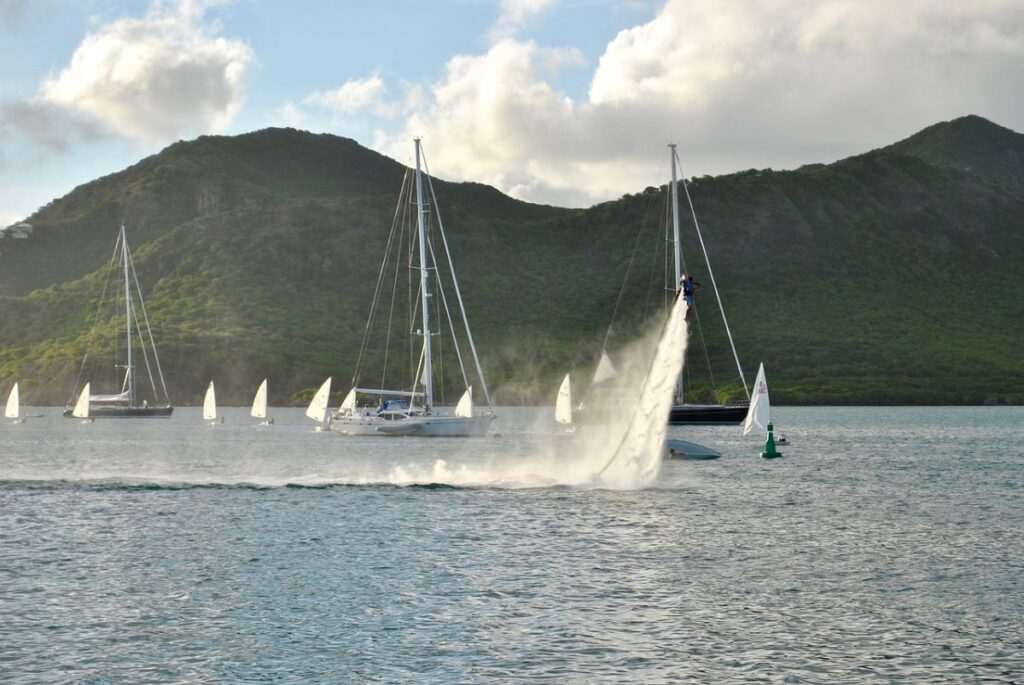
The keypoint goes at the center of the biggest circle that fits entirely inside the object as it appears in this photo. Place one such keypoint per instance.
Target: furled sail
(13, 408)
(465, 405)
(317, 409)
(760, 413)
(605, 369)
(81, 410)
(210, 404)
(563, 403)
(259, 403)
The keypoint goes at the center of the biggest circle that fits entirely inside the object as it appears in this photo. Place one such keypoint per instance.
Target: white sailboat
(132, 400)
(81, 408)
(605, 370)
(13, 408)
(684, 412)
(759, 415)
(412, 410)
(259, 405)
(317, 409)
(210, 406)
(563, 403)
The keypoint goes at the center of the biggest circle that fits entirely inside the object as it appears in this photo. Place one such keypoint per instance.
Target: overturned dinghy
(684, 449)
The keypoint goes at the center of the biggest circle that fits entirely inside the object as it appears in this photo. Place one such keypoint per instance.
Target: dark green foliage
(892, 277)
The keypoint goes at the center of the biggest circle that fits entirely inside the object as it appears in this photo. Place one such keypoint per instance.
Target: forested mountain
(889, 277)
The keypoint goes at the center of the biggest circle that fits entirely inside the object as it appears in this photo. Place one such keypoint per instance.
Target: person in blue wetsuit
(690, 288)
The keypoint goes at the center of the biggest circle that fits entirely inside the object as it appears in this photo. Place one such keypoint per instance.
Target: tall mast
(675, 220)
(129, 379)
(428, 379)
(677, 246)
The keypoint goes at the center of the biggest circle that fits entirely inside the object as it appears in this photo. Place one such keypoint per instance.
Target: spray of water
(620, 442)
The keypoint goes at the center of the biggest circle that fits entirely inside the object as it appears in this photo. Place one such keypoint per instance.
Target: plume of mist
(618, 445)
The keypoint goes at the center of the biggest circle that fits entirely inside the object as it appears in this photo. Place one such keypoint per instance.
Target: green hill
(891, 277)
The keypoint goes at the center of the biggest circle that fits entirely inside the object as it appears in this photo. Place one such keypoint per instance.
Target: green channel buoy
(769, 445)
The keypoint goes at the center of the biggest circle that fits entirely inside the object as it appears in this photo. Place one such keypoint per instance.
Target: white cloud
(514, 14)
(495, 118)
(290, 115)
(353, 96)
(154, 79)
(746, 83)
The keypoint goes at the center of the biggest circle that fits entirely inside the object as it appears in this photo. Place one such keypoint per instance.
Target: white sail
(317, 409)
(81, 410)
(210, 404)
(349, 403)
(760, 413)
(465, 405)
(563, 403)
(13, 408)
(259, 403)
(605, 369)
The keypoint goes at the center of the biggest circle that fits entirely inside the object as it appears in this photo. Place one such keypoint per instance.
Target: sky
(566, 102)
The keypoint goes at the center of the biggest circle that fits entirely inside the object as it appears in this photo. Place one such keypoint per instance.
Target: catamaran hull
(125, 412)
(418, 426)
(707, 414)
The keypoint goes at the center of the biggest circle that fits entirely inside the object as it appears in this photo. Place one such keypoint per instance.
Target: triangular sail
(13, 409)
(760, 413)
(465, 405)
(317, 409)
(349, 403)
(210, 404)
(81, 410)
(605, 369)
(563, 403)
(259, 403)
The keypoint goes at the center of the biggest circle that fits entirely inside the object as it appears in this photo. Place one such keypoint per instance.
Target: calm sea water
(887, 546)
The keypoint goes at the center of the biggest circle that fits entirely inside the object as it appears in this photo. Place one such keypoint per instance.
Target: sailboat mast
(428, 380)
(129, 379)
(677, 246)
(675, 221)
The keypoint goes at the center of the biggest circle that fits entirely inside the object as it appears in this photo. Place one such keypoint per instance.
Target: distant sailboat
(81, 408)
(317, 409)
(210, 406)
(605, 369)
(563, 403)
(13, 408)
(128, 402)
(259, 405)
(759, 415)
(411, 410)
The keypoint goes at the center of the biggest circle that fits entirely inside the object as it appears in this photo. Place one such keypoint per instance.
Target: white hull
(419, 426)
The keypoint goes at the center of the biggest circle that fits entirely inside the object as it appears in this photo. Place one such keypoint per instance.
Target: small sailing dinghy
(259, 405)
(81, 408)
(759, 416)
(133, 400)
(13, 408)
(317, 409)
(413, 409)
(563, 404)
(210, 406)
